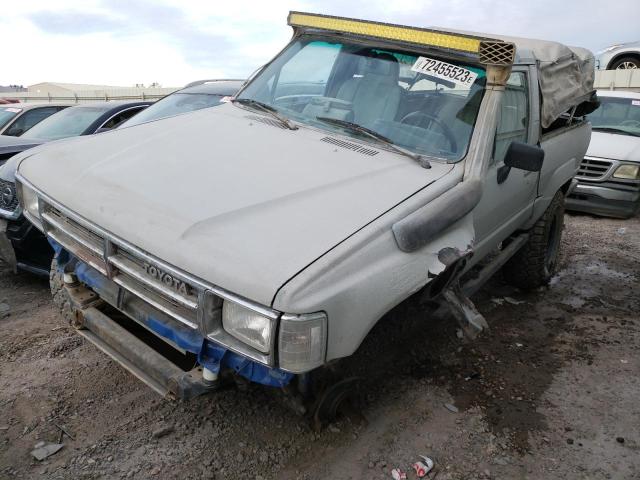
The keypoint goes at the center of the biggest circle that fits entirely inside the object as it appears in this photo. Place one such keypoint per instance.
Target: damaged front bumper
(606, 199)
(167, 356)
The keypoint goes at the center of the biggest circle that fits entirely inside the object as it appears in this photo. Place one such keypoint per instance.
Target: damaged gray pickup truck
(265, 238)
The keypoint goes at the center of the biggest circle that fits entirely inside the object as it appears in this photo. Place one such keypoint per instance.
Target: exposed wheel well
(565, 188)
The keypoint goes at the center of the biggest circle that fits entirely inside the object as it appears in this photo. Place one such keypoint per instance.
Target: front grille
(77, 239)
(160, 285)
(8, 197)
(593, 168)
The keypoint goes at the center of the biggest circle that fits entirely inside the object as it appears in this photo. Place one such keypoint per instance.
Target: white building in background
(77, 92)
(56, 89)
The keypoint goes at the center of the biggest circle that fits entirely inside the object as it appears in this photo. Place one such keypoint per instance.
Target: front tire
(625, 63)
(536, 262)
(60, 295)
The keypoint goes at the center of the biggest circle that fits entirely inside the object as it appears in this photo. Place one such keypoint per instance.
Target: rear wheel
(536, 262)
(626, 63)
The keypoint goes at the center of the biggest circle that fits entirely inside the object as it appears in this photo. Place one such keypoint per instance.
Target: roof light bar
(421, 36)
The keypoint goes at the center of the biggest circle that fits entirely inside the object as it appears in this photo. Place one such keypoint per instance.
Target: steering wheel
(423, 119)
(630, 123)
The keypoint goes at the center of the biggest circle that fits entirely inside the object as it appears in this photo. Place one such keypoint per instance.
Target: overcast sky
(174, 42)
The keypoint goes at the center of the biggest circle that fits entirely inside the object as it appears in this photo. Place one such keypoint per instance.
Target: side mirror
(524, 157)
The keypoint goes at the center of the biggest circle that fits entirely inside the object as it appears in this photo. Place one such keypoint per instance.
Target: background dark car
(195, 96)
(17, 118)
(21, 245)
(84, 119)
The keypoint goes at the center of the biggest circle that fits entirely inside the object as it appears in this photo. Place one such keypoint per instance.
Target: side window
(513, 116)
(116, 120)
(29, 119)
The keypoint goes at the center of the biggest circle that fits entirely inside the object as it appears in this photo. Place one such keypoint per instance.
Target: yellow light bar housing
(488, 51)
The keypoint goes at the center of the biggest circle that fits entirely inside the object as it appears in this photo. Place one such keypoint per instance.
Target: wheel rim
(627, 66)
(553, 246)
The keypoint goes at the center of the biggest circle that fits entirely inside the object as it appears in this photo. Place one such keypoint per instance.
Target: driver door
(509, 193)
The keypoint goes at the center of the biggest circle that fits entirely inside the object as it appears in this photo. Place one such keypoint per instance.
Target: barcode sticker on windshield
(13, 110)
(445, 71)
(635, 103)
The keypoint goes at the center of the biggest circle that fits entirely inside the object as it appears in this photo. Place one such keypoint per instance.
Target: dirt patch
(549, 392)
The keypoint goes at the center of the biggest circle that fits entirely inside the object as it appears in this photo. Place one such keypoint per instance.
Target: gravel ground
(550, 392)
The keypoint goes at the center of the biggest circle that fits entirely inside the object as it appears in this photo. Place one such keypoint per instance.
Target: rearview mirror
(524, 156)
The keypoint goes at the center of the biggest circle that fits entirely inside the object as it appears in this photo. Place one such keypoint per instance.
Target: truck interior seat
(375, 93)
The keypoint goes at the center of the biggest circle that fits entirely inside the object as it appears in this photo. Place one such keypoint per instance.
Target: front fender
(361, 282)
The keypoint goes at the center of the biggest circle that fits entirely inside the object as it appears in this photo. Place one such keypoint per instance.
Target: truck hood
(224, 196)
(614, 146)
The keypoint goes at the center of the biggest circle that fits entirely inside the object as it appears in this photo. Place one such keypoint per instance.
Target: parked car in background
(84, 119)
(21, 245)
(9, 146)
(195, 96)
(17, 118)
(621, 56)
(609, 174)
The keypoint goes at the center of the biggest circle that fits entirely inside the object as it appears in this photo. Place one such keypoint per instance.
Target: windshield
(70, 122)
(418, 102)
(174, 104)
(7, 113)
(617, 115)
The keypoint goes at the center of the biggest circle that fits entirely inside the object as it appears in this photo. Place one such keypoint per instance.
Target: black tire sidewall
(553, 238)
(61, 298)
(531, 266)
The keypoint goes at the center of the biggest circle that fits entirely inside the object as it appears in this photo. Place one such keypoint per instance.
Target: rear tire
(60, 295)
(536, 262)
(625, 63)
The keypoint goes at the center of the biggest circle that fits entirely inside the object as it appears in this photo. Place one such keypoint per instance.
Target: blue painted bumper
(210, 354)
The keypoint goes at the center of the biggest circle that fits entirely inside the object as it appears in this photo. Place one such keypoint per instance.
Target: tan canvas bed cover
(565, 74)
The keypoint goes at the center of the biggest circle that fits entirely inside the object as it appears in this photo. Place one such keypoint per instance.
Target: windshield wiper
(250, 102)
(376, 136)
(615, 130)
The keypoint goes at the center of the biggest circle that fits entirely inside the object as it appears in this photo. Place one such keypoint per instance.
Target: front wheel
(536, 262)
(626, 63)
(60, 295)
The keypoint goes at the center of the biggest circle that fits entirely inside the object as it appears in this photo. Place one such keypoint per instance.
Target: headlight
(302, 345)
(30, 203)
(248, 326)
(628, 172)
